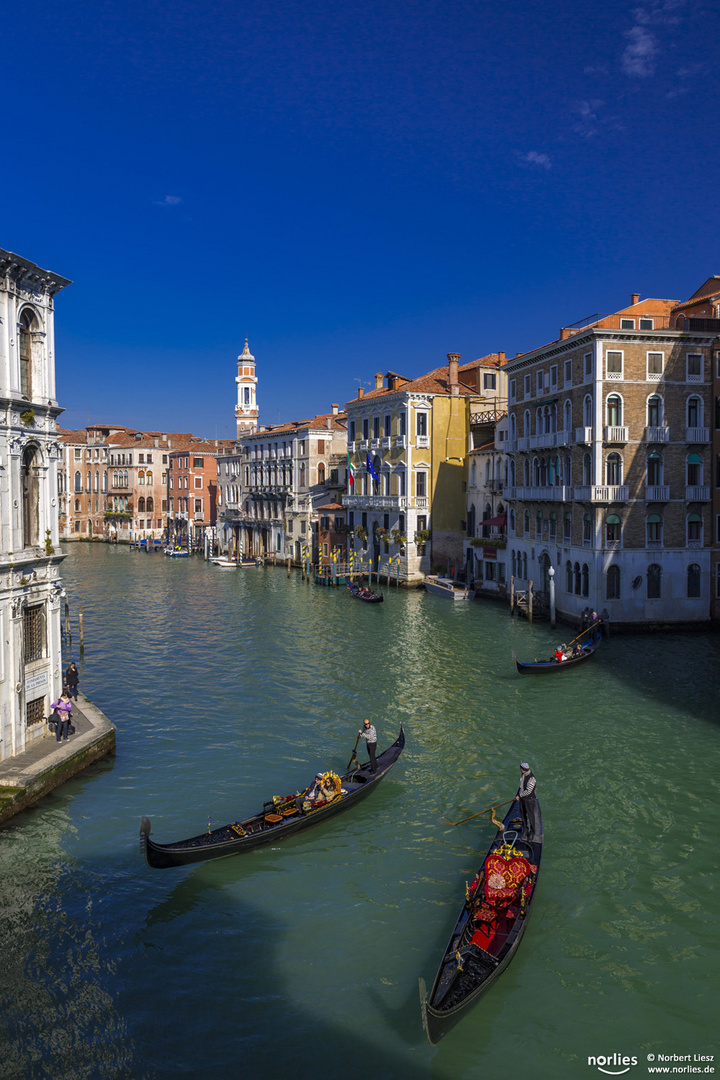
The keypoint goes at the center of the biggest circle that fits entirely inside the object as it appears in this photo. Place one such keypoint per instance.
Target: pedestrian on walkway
(63, 709)
(72, 678)
(368, 733)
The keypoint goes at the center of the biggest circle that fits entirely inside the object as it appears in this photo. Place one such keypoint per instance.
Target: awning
(501, 519)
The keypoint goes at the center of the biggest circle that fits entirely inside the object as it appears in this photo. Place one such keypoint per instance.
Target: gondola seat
(507, 883)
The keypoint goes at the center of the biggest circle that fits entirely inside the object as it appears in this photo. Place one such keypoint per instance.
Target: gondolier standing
(528, 801)
(369, 734)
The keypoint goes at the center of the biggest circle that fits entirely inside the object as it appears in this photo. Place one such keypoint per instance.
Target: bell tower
(246, 410)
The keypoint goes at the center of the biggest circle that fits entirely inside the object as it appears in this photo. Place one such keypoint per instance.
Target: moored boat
(280, 817)
(176, 552)
(445, 586)
(226, 563)
(490, 926)
(549, 667)
(361, 593)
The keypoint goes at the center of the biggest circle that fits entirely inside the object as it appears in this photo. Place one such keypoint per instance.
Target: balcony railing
(601, 493)
(386, 442)
(558, 493)
(422, 442)
(379, 502)
(697, 435)
(583, 434)
(400, 440)
(657, 493)
(615, 435)
(657, 434)
(697, 493)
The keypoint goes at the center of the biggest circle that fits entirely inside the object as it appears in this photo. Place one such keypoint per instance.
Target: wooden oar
(354, 756)
(490, 810)
(591, 627)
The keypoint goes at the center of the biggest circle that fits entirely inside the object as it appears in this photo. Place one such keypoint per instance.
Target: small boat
(547, 667)
(361, 593)
(226, 563)
(176, 553)
(490, 927)
(280, 817)
(445, 586)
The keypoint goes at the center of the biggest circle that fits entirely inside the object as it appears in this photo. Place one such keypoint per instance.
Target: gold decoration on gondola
(458, 959)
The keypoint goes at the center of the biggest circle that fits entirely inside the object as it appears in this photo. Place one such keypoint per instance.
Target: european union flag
(371, 468)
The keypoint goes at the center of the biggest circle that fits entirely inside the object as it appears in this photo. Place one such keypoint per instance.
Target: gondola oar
(490, 810)
(354, 756)
(580, 635)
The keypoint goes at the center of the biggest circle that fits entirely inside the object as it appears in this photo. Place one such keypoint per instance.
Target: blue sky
(356, 187)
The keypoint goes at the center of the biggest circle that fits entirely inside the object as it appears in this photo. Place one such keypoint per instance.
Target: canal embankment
(28, 777)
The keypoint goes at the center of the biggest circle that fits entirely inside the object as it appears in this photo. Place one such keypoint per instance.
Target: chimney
(378, 380)
(334, 409)
(329, 422)
(501, 358)
(453, 365)
(634, 298)
(361, 392)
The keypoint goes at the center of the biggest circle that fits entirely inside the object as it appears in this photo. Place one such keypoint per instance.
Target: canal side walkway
(27, 777)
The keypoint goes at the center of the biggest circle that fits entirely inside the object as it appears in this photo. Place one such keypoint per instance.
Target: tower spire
(246, 410)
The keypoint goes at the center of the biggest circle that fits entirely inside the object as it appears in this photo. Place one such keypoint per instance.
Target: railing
(657, 434)
(422, 442)
(558, 493)
(386, 442)
(697, 435)
(380, 502)
(695, 543)
(697, 493)
(615, 434)
(657, 493)
(583, 434)
(400, 440)
(604, 493)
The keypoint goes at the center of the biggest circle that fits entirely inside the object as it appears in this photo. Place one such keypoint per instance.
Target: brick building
(192, 492)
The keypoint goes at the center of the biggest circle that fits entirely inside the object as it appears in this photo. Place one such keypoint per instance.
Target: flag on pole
(351, 472)
(371, 468)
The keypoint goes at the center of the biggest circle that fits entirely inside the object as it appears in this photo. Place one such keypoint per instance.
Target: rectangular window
(78, 454)
(198, 462)
(198, 506)
(568, 372)
(34, 632)
(35, 711)
(141, 459)
(527, 386)
(421, 424)
(402, 425)
(321, 446)
(655, 364)
(513, 389)
(588, 366)
(163, 505)
(366, 429)
(198, 481)
(694, 367)
(627, 324)
(553, 377)
(376, 427)
(351, 431)
(388, 422)
(613, 365)
(646, 324)
(421, 485)
(539, 382)
(489, 380)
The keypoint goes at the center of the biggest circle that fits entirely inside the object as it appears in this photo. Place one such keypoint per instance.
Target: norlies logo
(603, 1061)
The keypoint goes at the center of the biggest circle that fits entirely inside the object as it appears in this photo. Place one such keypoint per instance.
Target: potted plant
(400, 539)
(421, 538)
(361, 533)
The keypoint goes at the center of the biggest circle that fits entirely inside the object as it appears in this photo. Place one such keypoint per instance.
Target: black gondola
(548, 667)
(486, 935)
(278, 818)
(361, 593)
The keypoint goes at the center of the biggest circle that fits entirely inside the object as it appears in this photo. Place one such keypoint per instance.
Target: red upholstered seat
(507, 881)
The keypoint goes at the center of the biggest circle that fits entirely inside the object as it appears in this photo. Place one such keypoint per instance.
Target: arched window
(588, 411)
(694, 470)
(538, 525)
(612, 582)
(553, 526)
(31, 497)
(654, 411)
(585, 580)
(513, 427)
(321, 473)
(104, 480)
(694, 412)
(526, 471)
(693, 581)
(526, 523)
(77, 506)
(612, 530)
(78, 481)
(141, 476)
(141, 505)
(613, 470)
(25, 331)
(149, 505)
(694, 530)
(654, 581)
(514, 563)
(568, 415)
(567, 528)
(149, 477)
(97, 480)
(89, 481)
(568, 576)
(654, 470)
(512, 473)
(536, 472)
(613, 411)
(653, 530)
(302, 474)
(576, 578)
(526, 424)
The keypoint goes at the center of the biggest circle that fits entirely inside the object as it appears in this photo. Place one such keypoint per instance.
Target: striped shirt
(369, 733)
(527, 784)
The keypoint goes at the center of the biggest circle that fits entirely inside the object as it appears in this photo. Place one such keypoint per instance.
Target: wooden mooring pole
(80, 627)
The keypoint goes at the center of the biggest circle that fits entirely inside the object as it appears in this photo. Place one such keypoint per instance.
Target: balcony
(615, 434)
(400, 441)
(697, 493)
(558, 493)
(657, 493)
(583, 434)
(563, 438)
(697, 435)
(364, 444)
(422, 442)
(375, 444)
(379, 502)
(386, 442)
(601, 493)
(657, 434)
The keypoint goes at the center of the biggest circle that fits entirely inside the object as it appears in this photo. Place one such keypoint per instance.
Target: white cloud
(588, 122)
(543, 161)
(169, 200)
(662, 13)
(638, 59)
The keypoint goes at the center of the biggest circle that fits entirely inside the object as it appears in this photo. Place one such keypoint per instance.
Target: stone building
(486, 556)
(610, 463)
(408, 441)
(192, 493)
(30, 586)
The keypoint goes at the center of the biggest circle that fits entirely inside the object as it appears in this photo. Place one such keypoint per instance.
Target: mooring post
(530, 596)
(551, 589)
(80, 625)
(512, 594)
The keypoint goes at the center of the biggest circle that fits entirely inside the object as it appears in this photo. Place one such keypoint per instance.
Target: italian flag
(351, 472)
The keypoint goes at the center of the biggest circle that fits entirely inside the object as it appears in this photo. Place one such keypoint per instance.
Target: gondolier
(369, 734)
(528, 800)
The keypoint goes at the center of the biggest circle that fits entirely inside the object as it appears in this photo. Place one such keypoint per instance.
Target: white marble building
(30, 587)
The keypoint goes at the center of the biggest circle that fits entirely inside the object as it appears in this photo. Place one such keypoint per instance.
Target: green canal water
(303, 959)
